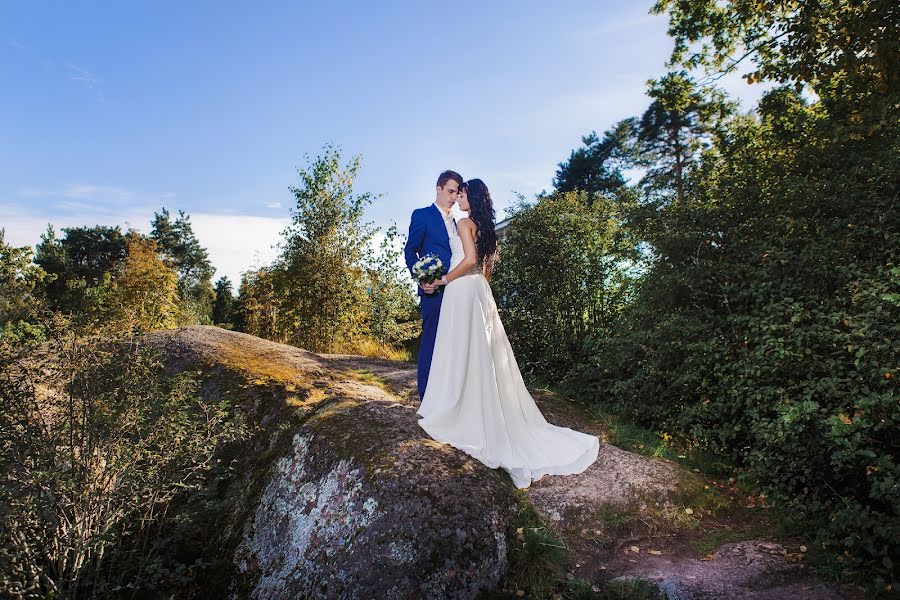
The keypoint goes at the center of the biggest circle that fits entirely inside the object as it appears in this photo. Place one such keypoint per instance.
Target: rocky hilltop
(337, 493)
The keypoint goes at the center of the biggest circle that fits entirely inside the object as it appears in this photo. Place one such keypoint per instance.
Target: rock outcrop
(338, 493)
(753, 569)
(341, 494)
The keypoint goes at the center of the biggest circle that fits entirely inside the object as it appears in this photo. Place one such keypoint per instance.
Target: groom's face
(448, 193)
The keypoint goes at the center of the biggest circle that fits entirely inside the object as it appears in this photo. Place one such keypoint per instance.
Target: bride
(476, 399)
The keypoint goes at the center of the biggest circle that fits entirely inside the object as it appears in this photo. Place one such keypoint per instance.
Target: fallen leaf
(654, 552)
(689, 511)
(635, 549)
(802, 548)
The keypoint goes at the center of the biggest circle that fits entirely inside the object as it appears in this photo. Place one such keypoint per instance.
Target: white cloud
(87, 78)
(24, 228)
(237, 243)
(273, 204)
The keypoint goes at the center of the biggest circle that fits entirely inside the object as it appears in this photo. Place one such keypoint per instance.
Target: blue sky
(109, 111)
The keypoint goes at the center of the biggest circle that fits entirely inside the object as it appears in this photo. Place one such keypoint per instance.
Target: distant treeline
(111, 472)
(328, 290)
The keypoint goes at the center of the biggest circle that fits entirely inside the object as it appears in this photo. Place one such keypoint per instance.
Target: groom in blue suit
(429, 233)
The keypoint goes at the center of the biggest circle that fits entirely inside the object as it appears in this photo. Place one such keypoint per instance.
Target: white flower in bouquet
(428, 269)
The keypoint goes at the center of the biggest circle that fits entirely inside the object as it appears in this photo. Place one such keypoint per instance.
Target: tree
(144, 294)
(763, 328)
(177, 242)
(20, 285)
(561, 278)
(224, 304)
(78, 261)
(392, 305)
(596, 168)
(257, 307)
(847, 52)
(674, 129)
(107, 459)
(319, 276)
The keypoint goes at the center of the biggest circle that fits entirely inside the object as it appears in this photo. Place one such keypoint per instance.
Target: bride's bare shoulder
(466, 223)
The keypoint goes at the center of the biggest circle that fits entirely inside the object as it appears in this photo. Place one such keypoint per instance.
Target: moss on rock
(338, 492)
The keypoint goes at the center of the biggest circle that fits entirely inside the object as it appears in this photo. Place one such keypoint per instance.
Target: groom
(429, 233)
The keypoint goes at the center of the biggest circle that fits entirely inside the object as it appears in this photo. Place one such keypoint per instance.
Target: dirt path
(629, 516)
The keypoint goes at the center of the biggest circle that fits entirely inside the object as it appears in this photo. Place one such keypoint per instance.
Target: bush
(559, 278)
(766, 327)
(105, 466)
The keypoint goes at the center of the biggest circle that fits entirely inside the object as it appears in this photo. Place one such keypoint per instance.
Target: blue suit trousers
(431, 311)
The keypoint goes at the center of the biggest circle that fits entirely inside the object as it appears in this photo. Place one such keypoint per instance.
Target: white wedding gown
(476, 399)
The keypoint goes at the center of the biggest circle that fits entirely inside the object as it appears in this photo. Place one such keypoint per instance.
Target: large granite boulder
(338, 492)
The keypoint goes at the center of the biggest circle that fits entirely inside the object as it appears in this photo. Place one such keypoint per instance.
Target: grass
(538, 559)
(711, 539)
(366, 376)
(257, 367)
(373, 349)
(614, 516)
(582, 589)
(645, 442)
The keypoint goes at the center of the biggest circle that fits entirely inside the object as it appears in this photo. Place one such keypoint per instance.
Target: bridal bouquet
(428, 269)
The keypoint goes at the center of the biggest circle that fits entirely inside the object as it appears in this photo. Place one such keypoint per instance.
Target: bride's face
(462, 199)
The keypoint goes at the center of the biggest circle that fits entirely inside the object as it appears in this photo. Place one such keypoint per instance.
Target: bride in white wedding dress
(476, 399)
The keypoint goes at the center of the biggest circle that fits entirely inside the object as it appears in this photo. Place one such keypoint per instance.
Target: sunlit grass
(374, 349)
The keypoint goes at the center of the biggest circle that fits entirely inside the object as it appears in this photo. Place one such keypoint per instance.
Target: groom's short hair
(446, 176)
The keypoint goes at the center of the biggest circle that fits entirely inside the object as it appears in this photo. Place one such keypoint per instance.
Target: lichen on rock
(339, 493)
(298, 515)
(360, 508)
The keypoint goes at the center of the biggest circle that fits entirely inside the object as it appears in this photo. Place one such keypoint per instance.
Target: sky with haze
(111, 110)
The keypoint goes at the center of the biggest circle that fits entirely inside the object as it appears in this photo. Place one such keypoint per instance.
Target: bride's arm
(467, 235)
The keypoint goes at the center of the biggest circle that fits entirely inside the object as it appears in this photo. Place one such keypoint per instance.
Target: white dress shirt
(449, 221)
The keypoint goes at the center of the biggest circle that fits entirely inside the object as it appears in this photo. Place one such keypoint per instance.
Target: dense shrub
(107, 467)
(560, 277)
(766, 326)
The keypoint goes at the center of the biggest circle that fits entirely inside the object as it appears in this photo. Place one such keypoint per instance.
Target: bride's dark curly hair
(481, 211)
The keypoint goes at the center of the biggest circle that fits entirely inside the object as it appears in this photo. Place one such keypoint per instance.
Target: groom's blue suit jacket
(427, 235)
